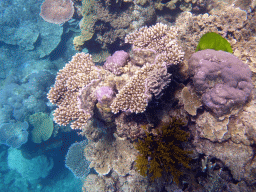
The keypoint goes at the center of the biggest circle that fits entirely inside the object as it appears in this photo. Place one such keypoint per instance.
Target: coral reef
(57, 11)
(162, 153)
(75, 160)
(115, 62)
(222, 79)
(184, 5)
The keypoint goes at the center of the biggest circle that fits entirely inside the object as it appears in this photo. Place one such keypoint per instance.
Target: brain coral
(43, 127)
(223, 80)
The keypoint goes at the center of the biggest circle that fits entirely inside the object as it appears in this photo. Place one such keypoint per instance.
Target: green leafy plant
(162, 151)
(214, 41)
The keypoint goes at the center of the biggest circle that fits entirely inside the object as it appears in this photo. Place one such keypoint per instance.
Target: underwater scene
(127, 95)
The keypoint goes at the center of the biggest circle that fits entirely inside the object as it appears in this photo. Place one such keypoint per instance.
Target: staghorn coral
(162, 152)
(77, 74)
(133, 97)
(158, 41)
(160, 38)
(57, 11)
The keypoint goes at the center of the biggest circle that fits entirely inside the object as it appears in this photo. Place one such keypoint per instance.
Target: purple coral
(116, 61)
(223, 80)
(104, 94)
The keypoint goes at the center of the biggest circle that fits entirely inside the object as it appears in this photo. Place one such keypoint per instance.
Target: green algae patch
(214, 41)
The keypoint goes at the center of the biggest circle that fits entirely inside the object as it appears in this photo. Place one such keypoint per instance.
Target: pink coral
(57, 11)
(115, 62)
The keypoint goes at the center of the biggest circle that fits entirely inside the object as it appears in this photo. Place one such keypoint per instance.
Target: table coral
(57, 11)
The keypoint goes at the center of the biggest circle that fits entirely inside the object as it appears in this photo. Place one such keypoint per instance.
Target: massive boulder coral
(222, 79)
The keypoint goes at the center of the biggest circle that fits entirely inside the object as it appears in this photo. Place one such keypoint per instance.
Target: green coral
(213, 41)
(43, 127)
(162, 151)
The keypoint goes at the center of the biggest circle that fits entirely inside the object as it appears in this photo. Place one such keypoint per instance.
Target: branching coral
(160, 38)
(162, 152)
(160, 42)
(79, 73)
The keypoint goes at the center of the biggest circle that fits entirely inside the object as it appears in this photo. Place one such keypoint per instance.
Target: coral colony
(148, 100)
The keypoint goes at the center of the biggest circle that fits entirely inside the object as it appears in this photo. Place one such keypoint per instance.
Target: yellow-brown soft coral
(161, 153)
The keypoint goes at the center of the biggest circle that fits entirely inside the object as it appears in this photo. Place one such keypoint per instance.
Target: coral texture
(43, 127)
(191, 101)
(223, 80)
(57, 11)
(75, 160)
(115, 62)
(104, 155)
(160, 38)
(77, 74)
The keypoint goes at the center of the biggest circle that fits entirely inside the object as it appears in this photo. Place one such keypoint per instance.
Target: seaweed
(162, 152)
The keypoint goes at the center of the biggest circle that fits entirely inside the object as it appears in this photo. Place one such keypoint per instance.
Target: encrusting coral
(162, 153)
